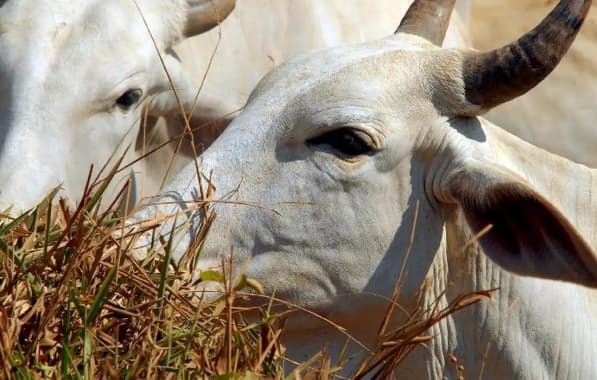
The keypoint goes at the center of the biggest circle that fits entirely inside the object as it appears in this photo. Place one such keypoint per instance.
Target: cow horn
(498, 76)
(428, 19)
(205, 14)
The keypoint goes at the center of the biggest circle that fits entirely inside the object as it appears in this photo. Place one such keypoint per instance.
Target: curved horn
(428, 19)
(503, 74)
(205, 14)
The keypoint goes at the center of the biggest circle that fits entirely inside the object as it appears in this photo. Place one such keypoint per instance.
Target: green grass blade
(101, 297)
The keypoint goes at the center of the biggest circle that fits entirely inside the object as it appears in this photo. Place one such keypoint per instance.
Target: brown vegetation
(75, 304)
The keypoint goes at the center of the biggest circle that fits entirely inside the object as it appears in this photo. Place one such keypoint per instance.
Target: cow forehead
(17, 15)
(312, 68)
(49, 19)
(49, 46)
(333, 85)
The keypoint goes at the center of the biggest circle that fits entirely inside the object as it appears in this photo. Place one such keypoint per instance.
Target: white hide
(331, 231)
(297, 26)
(261, 34)
(64, 63)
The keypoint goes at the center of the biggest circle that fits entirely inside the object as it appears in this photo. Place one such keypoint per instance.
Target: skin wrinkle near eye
(345, 142)
(358, 118)
(131, 81)
(344, 114)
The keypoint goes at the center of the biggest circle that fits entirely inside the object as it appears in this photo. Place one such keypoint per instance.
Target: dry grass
(75, 304)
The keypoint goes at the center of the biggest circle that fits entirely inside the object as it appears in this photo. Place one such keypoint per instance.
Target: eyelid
(364, 135)
(131, 81)
(364, 130)
(137, 101)
(358, 144)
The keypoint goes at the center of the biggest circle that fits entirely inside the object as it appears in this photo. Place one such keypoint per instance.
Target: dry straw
(75, 304)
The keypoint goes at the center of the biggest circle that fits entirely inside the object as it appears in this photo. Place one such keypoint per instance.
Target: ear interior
(528, 234)
(209, 116)
(206, 125)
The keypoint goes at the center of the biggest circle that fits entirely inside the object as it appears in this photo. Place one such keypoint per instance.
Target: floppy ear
(529, 236)
(209, 116)
(205, 14)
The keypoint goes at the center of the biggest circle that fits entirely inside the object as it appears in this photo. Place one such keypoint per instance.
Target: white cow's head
(73, 78)
(336, 152)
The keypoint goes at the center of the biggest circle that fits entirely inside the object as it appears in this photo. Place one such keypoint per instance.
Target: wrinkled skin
(329, 229)
(64, 64)
(246, 48)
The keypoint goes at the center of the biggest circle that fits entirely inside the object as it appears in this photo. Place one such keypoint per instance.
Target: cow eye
(346, 141)
(129, 98)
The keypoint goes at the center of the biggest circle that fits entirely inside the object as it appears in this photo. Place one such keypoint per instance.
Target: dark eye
(129, 98)
(344, 140)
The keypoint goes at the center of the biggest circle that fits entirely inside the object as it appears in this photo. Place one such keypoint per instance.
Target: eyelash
(129, 98)
(344, 141)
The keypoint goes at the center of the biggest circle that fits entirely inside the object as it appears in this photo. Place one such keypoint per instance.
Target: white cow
(74, 74)
(339, 153)
(247, 47)
(73, 77)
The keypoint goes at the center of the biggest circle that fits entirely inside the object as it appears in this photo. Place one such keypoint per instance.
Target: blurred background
(560, 113)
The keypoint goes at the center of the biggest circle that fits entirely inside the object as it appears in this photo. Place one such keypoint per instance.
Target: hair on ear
(528, 234)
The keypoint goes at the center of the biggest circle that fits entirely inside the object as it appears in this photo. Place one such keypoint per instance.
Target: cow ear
(208, 116)
(207, 122)
(528, 234)
(205, 14)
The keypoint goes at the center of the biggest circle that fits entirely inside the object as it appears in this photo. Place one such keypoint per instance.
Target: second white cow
(74, 77)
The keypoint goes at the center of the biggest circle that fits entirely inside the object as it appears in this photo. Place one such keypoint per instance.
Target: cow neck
(534, 328)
